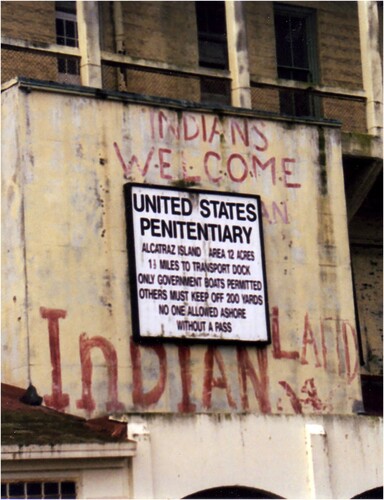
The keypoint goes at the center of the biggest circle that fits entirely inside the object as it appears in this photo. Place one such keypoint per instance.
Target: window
(38, 489)
(295, 30)
(66, 34)
(212, 34)
(213, 52)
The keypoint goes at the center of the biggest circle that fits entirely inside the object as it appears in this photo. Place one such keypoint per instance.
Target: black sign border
(131, 275)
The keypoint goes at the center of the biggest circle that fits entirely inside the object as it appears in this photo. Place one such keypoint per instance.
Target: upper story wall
(158, 31)
(34, 21)
(66, 301)
(165, 33)
(337, 41)
(339, 44)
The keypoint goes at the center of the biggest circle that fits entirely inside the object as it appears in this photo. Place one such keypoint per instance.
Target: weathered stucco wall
(15, 321)
(323, 457)
(65, 187)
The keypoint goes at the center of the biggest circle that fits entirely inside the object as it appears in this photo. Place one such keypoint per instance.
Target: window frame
(209, 36)
(313, 69)
(66, 16)
(68, 76)
(212, 91)
(23, 483)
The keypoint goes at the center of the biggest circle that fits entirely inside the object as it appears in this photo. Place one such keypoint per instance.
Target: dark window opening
(68, 7)
(215, 90)
(295, 31)
(213, 51)
(212, 34)
(66, 34)
(372, 390)
(38, 489)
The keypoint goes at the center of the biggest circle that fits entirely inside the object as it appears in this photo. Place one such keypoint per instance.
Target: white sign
(196, 265)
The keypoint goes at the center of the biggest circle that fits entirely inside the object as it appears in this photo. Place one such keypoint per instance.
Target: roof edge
(72, 451)
(30, 84)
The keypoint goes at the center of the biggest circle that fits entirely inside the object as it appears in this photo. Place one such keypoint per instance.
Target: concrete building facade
(210, 107)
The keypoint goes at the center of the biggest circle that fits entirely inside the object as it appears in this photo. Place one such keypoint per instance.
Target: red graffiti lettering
(308, 339)
(167, 127)
(287, 173)
(163, 163)
(185, 406)
(243, 168)
(271, 163)
(312, 399)
(86, 345)
(186, 176)
(283, 215)
(345, 348)
(275, 210)
(127, 169)
(277, 352)
(295, 401)
(57, 399)
(348, 349)
(206, 168)
(152, 122)
(204, 128)
(260, 382)
(243, 134)
(215, 130)
(323, 344)
(210, 381)
(189, 136)
(264, 212)
(259, 135)
(141, 398)
(338, 348)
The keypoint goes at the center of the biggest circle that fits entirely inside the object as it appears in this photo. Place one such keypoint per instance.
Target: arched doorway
(238, 492)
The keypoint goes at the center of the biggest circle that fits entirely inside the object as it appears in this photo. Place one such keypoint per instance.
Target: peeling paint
(80, 266)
